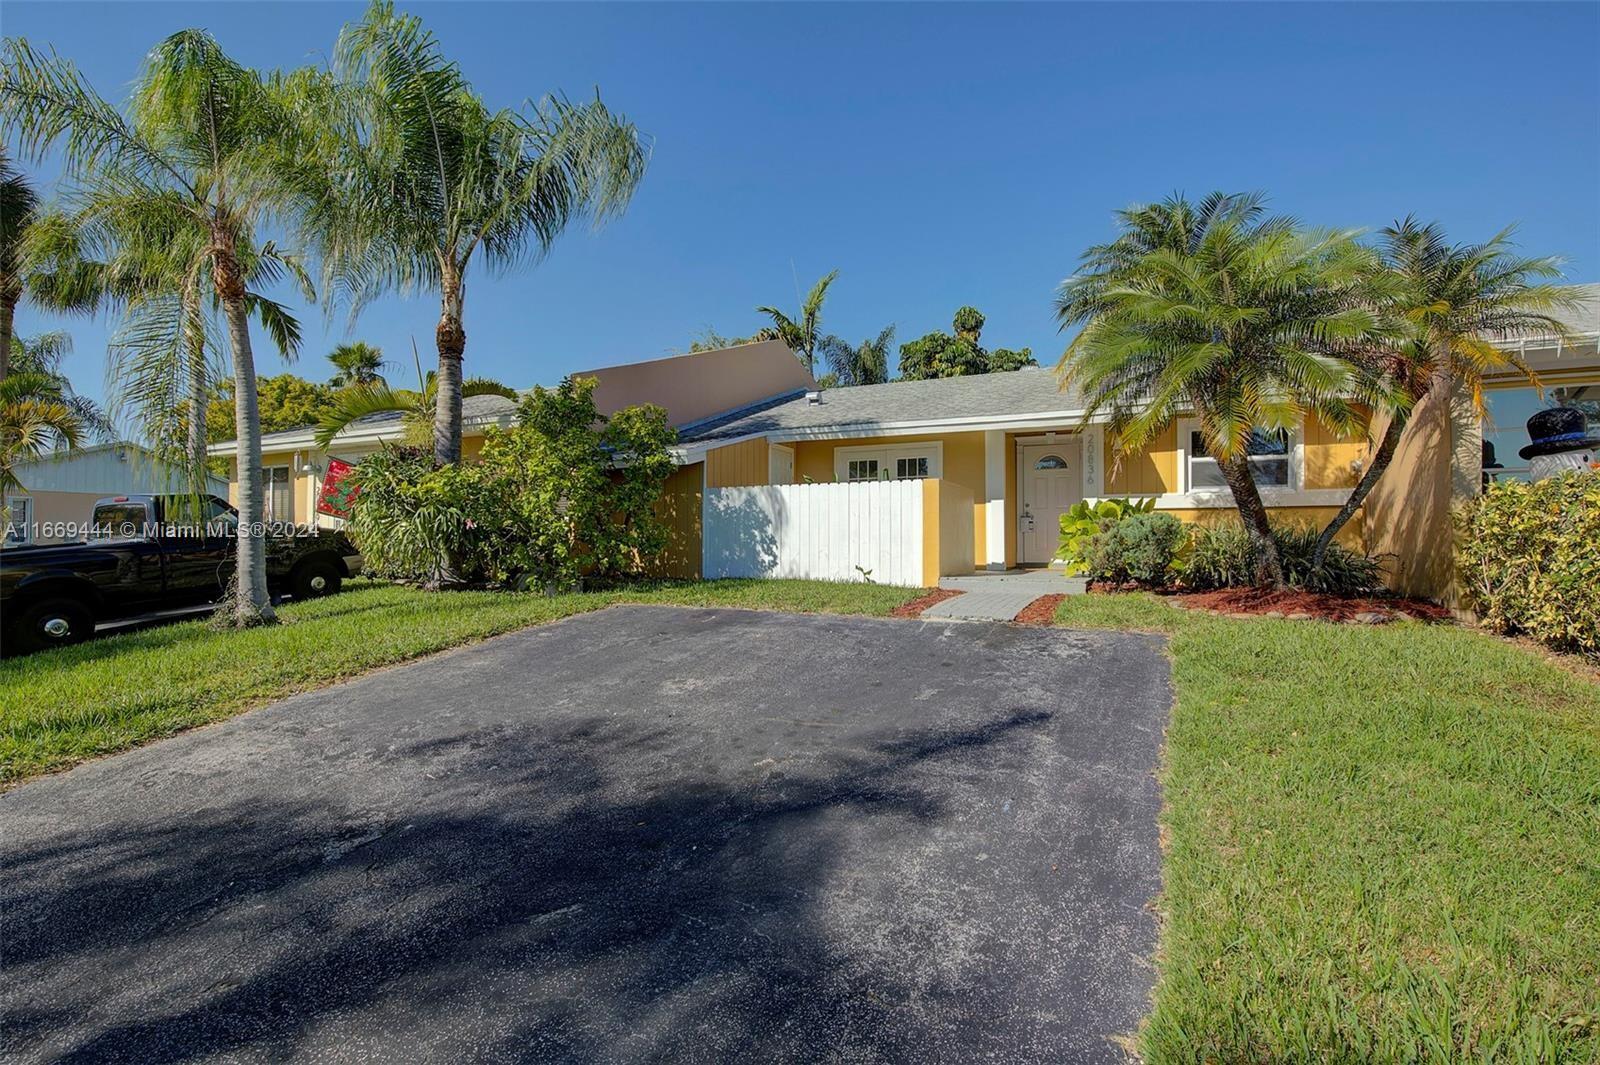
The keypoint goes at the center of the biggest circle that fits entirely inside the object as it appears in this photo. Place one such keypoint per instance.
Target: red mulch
(1042, 611)
(915, 608)
(1321, 607)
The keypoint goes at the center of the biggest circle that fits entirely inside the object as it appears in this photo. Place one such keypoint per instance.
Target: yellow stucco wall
(1151, 472)
(1351, 535)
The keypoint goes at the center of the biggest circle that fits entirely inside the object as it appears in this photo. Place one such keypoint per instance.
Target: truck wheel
(52, 623)
(315, 577)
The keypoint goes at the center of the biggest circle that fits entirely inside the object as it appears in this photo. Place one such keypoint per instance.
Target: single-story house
(689, 387)
(985, 465)
(59, 489)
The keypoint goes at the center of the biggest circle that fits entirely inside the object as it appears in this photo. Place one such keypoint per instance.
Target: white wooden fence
(818, 531)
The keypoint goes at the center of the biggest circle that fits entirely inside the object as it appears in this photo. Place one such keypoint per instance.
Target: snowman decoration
(1561, 441)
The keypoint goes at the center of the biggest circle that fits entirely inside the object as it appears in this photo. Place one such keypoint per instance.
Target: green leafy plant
(1529, 560)
(938, 354)
(1082, 521)
(564, 496)
(1223, 556)
(1144, 547)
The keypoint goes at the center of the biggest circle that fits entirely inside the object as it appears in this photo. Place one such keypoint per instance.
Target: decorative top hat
(1559, 429)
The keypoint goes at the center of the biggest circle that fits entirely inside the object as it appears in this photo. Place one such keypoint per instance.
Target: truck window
(120, 521)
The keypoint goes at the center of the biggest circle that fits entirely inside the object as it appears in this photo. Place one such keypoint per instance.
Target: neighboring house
(689, 387)
(59, 490)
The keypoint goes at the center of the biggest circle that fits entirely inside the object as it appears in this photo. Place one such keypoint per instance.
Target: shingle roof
(1028, 391)
(474, 409)
(1586, 319)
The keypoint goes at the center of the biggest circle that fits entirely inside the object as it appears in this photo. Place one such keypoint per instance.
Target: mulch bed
(1302, 605)
(915, 608)
(1042, 611)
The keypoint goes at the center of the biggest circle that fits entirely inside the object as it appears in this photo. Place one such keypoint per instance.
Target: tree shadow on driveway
(590, 889)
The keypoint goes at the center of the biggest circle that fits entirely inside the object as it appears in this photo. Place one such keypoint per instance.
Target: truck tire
(50, 623)
(315, 577)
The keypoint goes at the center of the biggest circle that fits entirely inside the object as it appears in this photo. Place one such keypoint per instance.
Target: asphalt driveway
(645, 834)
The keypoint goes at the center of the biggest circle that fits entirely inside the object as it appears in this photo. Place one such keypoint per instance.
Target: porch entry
(1050, 480)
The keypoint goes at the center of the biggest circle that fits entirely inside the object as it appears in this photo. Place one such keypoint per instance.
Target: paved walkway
(1002, 596)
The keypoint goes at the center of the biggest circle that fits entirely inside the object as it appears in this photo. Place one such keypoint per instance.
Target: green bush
(563, 495)
(1221, 556)
(1529, 560)
(1083, 520)
(1143, 547)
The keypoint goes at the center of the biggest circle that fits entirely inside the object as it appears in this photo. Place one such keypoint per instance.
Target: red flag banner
(338, 490)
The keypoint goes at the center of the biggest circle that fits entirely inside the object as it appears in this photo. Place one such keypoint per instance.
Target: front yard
(1382, 843)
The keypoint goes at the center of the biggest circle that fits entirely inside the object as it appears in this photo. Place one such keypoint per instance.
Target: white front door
(1050, 481)
(780, 464)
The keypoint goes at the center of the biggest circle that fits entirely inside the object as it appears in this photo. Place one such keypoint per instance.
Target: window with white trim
(889, 462)
(1271, 459)
(19, 519)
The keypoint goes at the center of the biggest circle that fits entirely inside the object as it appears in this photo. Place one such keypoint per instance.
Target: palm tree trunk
(1253, 514)
(251, 604)
(451, 339)
(8, 314)
(1380, 462)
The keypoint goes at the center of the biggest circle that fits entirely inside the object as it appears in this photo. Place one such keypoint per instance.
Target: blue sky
(938, 155)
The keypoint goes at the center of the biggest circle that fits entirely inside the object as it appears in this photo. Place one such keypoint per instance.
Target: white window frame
(886, 454)
(26, 524)
(1296, 456)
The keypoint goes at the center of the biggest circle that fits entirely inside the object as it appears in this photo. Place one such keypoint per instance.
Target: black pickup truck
(146, 553)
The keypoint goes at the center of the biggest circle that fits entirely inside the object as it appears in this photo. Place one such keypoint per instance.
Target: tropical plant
(803, 333)
(356, 364)
(204, 148)
(36, 416)
(1528, 562)
(414, 179)
(283, 402)
(41, 356)
(1224, 556)
(708, 339)
(565, 495)
(1144, 547)
(1081, 521)
(418, 407)
(866, 363)
(940, 354)
(1248, 323)
(1458, 303)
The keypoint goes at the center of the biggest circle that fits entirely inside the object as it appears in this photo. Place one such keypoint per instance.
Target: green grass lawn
(1383, 844)
(60, 707)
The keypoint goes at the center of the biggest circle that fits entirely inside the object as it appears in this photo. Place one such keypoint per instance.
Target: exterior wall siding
(680, 508)
(739, 465)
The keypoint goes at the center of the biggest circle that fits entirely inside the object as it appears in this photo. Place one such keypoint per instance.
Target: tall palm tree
(356, 364)
(1241, 320)
(866, 363)
(67, 285)
(1458, 302)
(804, 333)
(204, 143)
(417, 179)
(36, 416)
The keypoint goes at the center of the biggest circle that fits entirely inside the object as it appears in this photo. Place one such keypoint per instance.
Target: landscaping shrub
(1083, 520)
(563, 495)
(1221, 556)
(1529, 560)
(1143, 547)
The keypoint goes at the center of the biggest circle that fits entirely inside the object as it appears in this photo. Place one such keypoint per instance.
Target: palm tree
(866, 363)
(416, 179)
(1457, 301)
(40, 357)
(203, 145)
(36, 416)
(418, 408)
(1241, 320)
(66, 285)
(804, 333)
(357, 364)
